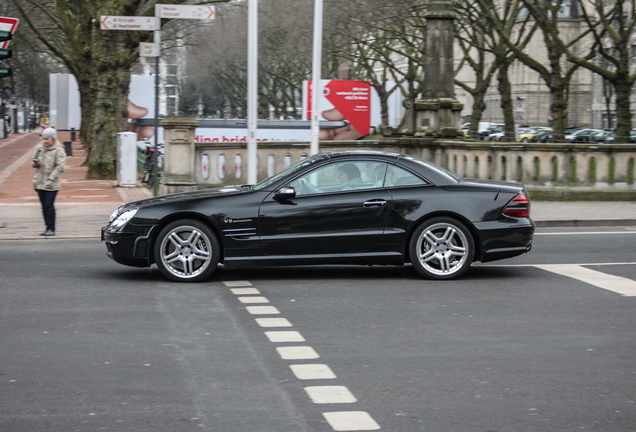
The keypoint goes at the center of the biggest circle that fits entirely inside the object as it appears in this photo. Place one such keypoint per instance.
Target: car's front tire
(442, 248)
(186, 251)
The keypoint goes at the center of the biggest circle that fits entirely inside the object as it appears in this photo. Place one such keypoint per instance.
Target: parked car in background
(493, 128)
(481, 129)
(583, 135)
(499, 136)
(570, 130)
(527, 135)
(603, 137)
(540, 133)
(543, 138)
(346, 207)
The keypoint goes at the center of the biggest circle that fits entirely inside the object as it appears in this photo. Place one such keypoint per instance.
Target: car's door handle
(374, 203)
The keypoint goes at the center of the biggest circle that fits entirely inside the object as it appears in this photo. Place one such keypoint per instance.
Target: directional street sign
(186, 11)
(107, 22)
(8, 24)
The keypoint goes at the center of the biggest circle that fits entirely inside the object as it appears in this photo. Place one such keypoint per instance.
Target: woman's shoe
(49, 233)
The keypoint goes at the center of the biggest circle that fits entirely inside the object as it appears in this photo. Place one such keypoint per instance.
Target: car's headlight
(114, 215)
(122, 219)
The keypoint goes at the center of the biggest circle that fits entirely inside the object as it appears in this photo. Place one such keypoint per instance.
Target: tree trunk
(505, 90)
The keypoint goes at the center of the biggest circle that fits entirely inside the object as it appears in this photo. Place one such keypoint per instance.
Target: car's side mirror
(285, 193)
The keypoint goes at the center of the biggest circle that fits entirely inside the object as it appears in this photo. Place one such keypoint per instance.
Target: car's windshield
(297, 166)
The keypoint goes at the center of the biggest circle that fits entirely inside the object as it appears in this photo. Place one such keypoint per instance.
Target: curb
(585, 223)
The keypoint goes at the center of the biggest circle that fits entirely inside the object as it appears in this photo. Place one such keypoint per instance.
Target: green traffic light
(5, 35)
(5, 54)
(5, 72)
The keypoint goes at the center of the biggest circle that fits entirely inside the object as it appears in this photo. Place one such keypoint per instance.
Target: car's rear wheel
(187, 251)
(442, 248)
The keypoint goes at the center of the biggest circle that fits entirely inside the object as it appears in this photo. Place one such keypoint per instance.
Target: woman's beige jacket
(52, 163)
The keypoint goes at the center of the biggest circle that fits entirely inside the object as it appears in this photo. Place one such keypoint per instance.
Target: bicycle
(148, 175)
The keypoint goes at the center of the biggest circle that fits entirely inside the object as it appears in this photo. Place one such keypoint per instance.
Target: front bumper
(128, 248)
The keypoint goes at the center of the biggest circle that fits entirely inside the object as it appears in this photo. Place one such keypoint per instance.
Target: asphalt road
(542, 342)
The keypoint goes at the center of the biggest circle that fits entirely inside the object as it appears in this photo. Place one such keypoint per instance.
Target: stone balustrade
(601, 168)
(550, 166)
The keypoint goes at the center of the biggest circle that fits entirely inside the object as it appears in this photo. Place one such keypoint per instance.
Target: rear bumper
(517, 239)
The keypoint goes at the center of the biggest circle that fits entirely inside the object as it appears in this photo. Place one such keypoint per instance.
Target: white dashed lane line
(297, 353)
(262, 310)
(284, 336)
(273, 322)
(312, 371)
(338, 420)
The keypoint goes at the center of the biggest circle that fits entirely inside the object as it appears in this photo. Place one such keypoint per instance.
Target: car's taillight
(519, 206)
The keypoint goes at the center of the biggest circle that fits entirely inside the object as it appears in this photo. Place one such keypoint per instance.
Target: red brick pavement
(16, 173)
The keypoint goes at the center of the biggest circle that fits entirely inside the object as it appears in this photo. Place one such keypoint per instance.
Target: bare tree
(100, 61)
(471, 34)
(612, 26)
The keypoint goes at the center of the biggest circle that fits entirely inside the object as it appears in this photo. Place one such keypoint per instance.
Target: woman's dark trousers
(47, 198)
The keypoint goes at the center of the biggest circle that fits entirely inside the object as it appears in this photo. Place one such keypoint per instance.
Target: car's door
(328, 216)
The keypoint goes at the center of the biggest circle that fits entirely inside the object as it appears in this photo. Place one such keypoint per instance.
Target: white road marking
(330, 394)
(312, 371)
(244, 291)
(350, 421)
(253, 300)
(297, 353)
(237, 283)
(339, 421)
(624, 286)
(284, 336)
(262, 310)
(273, 322)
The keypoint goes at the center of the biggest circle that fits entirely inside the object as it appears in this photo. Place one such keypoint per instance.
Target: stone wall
(549, 166)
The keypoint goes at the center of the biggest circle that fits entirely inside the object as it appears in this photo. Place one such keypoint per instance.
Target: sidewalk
(83, 206)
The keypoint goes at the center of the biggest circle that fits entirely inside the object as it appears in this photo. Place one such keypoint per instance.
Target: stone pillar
(179, 154)
(437, 113)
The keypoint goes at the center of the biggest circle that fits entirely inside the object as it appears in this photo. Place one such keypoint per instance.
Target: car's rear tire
(442, 248)
(187, 251)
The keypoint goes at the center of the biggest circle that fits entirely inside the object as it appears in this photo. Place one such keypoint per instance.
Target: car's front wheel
(442, 248)
(186, 251)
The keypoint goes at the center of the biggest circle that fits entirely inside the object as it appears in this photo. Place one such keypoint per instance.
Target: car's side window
(400, 177)
(341, 176)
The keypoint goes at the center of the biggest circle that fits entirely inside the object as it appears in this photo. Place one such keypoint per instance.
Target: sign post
(108, 22)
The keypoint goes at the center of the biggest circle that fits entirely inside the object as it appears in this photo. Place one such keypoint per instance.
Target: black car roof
(433, 173)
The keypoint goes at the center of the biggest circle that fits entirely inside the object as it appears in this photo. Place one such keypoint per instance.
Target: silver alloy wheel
(186, 251)
(442, 249)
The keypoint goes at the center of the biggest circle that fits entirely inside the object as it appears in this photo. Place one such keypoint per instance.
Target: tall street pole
(316, 91)
(157, 40)
(252, 91)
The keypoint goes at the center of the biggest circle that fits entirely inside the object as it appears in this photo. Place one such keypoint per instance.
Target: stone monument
(179, 154)
(437, 113)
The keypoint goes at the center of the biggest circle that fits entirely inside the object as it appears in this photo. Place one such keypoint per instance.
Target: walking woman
(50, 161)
